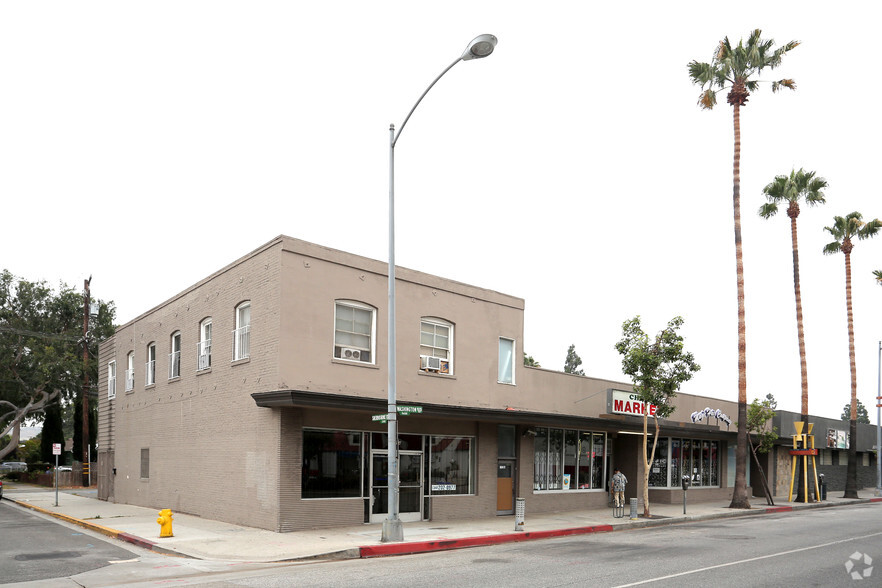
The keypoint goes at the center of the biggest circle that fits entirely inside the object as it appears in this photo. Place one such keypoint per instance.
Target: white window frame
(203, 348)
(111, 380)
(501, 379)
(174, 356)
(130, 371)
(150, 366)
(338, 351)
(242, 333)
(431, 350)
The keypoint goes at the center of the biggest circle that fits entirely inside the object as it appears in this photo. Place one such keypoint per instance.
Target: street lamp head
(481, 46)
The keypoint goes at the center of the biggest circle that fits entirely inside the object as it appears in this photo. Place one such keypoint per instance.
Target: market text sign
(629, 403)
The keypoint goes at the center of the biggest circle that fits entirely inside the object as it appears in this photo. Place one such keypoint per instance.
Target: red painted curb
(444, 544)
(134, 539)
(779, 509)
(876, 500)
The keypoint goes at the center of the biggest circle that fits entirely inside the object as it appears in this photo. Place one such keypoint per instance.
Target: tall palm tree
(789, 190)
(736, 68)
(844, 231)
(878, 274)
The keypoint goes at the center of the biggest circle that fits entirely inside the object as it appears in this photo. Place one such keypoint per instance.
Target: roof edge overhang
(325, 400)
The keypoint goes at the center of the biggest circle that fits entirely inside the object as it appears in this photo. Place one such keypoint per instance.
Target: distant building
(249, 398)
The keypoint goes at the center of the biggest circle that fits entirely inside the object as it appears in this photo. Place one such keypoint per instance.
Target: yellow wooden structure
(804, 446)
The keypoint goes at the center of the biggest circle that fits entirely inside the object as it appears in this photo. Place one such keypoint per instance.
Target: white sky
(151, 143)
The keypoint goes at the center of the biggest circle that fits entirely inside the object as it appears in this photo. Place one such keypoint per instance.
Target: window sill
(149, 386)
(362, 364)
(436, 375)
(132, 391)
(205, 371)
(175, 379)
(241, 361)
(506, 383)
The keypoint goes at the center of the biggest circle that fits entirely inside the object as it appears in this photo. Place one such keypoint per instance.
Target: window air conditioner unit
(347, 353)
(430, 363)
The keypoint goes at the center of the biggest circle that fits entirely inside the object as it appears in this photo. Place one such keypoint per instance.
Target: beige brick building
(249, 398)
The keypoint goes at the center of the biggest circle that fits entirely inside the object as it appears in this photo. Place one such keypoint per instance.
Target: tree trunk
(740, 497)
(648, 459)
(851, 489)
(803, 365)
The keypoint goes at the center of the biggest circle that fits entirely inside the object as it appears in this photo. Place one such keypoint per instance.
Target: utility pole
(85, 402)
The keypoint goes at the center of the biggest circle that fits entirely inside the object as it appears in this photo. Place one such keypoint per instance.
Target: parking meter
(823, 488)
(684, 481)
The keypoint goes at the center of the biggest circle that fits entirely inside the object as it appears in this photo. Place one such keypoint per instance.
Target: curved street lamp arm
(407, 118)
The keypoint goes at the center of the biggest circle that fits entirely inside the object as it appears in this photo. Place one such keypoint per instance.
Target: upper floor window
(506, 361)
(111, 380)
(150, 366)
(174, 356)
(203, 350)
(242, 334)
(130, 371)
(436, 346)
(354, 328)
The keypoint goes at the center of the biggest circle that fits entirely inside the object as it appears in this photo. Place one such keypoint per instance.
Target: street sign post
(402, 410)
(56, 451)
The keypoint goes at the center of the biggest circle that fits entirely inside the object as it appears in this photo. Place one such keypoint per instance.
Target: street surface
(809, 548)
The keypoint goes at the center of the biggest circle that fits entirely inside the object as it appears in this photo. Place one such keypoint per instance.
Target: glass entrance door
(410, 496)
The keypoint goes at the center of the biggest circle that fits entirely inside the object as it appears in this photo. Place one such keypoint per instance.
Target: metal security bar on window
(242, 343)
(174, 365)
(203, 355)
(150, 368)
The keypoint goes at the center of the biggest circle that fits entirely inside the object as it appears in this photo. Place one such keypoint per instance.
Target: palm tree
(789, 190)
(736, 68)
(878, 274)
(844, 230)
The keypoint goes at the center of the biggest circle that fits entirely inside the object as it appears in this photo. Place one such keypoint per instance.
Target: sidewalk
(199, 538)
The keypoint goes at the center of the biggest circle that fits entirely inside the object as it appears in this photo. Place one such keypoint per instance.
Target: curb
(465, 542)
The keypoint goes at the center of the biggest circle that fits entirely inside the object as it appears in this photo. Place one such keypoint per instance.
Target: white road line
(735, 563)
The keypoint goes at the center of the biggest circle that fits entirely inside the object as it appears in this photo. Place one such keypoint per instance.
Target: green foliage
(573, 361)
(845, 229)
(529, 361)
(878, 275)
(657, 366)
(790, 189)
(862, 415)
(734, 67)
(759, 413)
(41, 347)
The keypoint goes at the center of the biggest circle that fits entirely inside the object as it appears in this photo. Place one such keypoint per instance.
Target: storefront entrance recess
(410, 486)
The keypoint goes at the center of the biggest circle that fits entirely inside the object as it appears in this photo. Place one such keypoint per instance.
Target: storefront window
(331, 464)
(658, 473)
(697, 459)
(452, 460)
(566, 459)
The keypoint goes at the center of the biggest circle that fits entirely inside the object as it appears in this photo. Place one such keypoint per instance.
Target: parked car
(65, 469)
(1, 488)
(13, 466)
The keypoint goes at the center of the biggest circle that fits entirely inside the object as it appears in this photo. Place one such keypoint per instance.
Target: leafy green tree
(844, 231)
(529, 361)
(657, 368)
(862, 415)
(736, 68)
(759, 413)
(41, 353)
(573, 361)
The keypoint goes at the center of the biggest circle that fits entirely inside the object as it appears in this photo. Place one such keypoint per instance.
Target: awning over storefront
(610, 422)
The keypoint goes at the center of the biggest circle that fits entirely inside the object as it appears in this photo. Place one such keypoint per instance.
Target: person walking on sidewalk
(618, 485)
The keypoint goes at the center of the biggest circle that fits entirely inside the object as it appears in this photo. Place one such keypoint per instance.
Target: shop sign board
(629, 403)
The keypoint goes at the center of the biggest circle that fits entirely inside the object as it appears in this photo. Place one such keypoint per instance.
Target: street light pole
(879, 425)
(480, 47)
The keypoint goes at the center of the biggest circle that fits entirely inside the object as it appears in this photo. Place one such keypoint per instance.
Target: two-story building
(249, 398)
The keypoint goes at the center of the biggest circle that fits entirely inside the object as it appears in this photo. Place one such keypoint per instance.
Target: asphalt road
(806, 548)
(35, 548)
(809, 548)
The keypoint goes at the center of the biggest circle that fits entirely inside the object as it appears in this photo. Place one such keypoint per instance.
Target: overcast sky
(148, 144)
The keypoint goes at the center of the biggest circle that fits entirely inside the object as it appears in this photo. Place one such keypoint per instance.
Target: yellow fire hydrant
(165, 523)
